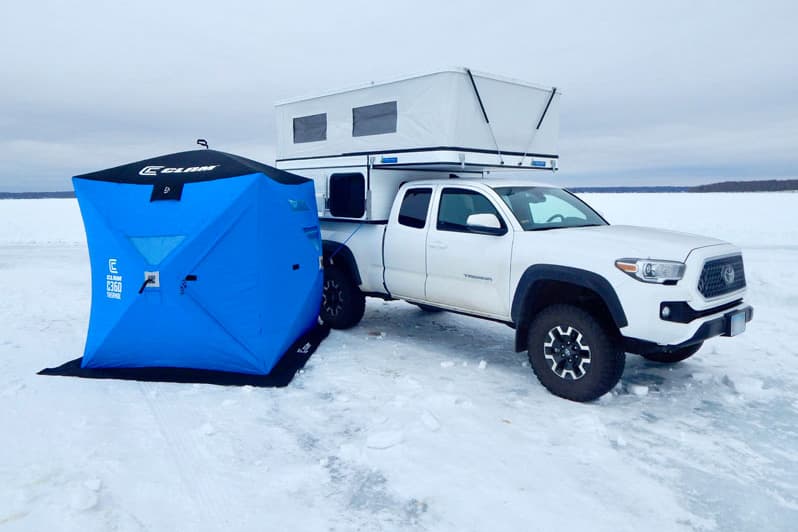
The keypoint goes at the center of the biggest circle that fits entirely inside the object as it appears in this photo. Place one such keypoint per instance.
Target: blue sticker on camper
(390, 160)
(538, 163)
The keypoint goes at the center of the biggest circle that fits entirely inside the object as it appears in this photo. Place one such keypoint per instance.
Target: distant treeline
(37, 195)
(771, 185)
(629, 189)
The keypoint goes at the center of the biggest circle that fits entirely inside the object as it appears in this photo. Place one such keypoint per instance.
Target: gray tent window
(310, 128)
(374, 119)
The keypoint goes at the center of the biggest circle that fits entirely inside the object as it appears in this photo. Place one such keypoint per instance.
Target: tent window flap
(312, 128)
(374, 119)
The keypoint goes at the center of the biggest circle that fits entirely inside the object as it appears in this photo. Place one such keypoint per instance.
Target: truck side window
(458, 204)
(413, 212)
(347, 195)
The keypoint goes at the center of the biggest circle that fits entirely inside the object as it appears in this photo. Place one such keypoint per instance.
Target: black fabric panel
(281, 375)
(166, 191)
(189, 167)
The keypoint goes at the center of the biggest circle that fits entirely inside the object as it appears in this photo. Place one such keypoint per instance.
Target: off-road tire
(343, 304)
(674, 356)
(585, 359)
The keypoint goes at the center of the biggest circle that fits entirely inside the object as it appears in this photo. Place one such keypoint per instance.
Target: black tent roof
(189, 167)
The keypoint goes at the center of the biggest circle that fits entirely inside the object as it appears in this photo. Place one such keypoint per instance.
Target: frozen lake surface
(410, 421)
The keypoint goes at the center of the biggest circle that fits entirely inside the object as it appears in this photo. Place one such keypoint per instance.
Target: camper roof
(457, 70)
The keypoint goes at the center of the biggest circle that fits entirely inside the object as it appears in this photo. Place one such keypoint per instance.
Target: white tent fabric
(435, 110)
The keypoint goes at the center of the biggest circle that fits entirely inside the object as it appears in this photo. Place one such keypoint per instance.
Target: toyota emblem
(727, 273)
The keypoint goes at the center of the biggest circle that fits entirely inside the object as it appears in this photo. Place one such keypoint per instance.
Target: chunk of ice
(385, 440)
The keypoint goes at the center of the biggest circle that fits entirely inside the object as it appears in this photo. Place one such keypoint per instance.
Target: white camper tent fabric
(437, 110)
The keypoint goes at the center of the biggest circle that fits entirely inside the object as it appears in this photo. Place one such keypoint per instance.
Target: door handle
(437, 244)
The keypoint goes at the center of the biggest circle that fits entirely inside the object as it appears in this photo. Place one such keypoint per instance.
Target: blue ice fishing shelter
(200, 259)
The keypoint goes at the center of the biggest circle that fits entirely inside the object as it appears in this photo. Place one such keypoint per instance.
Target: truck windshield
(541, 208)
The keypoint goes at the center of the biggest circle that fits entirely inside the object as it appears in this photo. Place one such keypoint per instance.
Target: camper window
(374, 119)
(413, 212)
(310, 128)
(347, 195)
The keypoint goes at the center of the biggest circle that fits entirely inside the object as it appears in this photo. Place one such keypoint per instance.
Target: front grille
(716, 277)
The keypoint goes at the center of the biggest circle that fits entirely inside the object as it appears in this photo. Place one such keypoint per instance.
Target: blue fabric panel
(238, 262)
(229, 287)
(286, 244)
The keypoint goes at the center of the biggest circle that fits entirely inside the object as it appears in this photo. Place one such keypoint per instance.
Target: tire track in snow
(185, 460)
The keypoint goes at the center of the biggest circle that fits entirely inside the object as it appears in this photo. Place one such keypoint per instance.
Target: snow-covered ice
(404, 433)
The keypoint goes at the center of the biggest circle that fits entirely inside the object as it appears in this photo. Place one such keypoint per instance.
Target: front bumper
(719, 326)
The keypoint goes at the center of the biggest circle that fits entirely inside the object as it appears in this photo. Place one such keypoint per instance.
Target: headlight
(652, 271)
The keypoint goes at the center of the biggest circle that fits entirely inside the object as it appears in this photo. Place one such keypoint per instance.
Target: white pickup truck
(579, 292)
(411, 208)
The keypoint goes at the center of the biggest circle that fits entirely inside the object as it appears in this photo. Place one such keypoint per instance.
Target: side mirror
(483, 220)
(485, 223)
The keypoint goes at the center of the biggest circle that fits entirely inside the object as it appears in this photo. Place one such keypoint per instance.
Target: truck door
(405, 245)
(467, 268)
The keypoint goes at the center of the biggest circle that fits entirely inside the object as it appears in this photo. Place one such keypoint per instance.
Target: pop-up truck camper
(360, 144)
(426, 191)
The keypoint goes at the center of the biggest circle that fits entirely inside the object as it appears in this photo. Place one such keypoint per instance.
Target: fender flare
(339, 254)
(575, 276)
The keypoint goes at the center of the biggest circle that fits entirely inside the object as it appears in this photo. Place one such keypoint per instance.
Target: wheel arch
(338, 254)
(545, 284)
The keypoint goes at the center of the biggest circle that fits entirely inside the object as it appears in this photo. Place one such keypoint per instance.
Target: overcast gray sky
(654, 92)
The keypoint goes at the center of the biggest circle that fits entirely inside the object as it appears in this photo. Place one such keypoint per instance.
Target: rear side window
(374, 119)
(310, 128)
(347, 195)
(413, 212)
(458, 204)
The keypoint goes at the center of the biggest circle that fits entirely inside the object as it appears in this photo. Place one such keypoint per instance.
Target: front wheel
(672, 357)
(573, 355)
(342, 304)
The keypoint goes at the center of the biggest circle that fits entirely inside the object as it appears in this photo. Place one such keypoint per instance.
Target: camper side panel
(423, 118)
(514, 111)
(380, 186)
(435, 110)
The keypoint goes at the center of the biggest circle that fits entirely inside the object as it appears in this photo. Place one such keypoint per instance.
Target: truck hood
(627, 241)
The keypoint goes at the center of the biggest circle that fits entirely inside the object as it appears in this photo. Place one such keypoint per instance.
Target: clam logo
(113, 281)
(156, 170)
(727, 273)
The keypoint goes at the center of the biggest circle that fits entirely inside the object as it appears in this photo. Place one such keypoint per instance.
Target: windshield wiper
(565, 227)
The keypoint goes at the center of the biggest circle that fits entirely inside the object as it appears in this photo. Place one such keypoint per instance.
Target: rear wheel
(343, 304)
(573, 355)
(672, 357)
